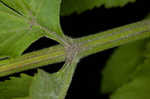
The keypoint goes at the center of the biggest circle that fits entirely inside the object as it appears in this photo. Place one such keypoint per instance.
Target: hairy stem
(88, 45)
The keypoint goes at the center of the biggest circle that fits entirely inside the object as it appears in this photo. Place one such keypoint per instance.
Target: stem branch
(88, 45)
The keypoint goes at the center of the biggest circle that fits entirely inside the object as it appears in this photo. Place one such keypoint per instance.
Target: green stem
(88, 45)
(32, 60)
(114, 37)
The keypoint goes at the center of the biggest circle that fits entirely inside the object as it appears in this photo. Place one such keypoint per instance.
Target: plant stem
(89, 45)
(32, 60)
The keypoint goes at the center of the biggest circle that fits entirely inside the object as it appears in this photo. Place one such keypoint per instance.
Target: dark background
(86, 81)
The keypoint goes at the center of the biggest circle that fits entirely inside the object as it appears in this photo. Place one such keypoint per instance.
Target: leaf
(137, 89)
(38, 18)
(18, 6)
(53, 86)
(71, 6)
(15, 87)
(46, 12)
(22, 98)
(4, 9)
(121, 65)
(43, 12)
(144, 68)
(16, 34)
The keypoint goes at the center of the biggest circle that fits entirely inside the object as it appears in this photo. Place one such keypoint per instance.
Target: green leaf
(22, 98)
(16, 33)
(38, 18)
(46, 12)
(15, 87)
(18, 6)
(137, 89)
(42, 12)
(79, 6)
(4, 9)
(121, 65)
(144, 68)
(53, 86)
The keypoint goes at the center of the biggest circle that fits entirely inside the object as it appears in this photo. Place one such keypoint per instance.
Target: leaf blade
(53, 86)
(16, 35)
(15, 87)
(137, 89)
(46, 12)
(71, 6)
(121, 65)
(49, 24)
